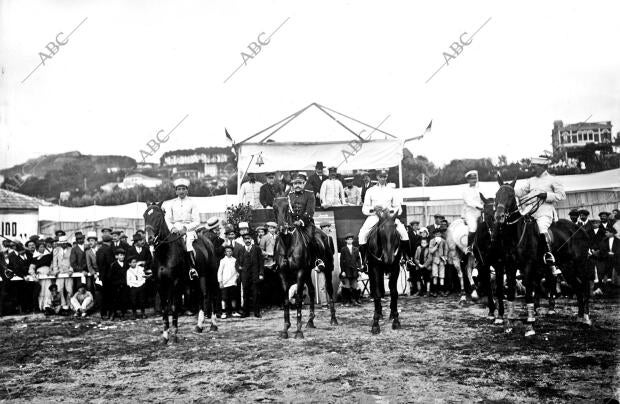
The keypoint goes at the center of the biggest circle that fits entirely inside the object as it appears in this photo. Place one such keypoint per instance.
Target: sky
(134, 68)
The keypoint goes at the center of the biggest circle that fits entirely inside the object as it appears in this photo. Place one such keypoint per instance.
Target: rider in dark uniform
(302, 203)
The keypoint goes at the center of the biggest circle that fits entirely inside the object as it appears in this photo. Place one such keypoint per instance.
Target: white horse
(456, 237)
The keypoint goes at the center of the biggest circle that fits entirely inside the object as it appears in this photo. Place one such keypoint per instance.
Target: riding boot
(470, 241)
(548, 258)
(193, 274)
(364, 253)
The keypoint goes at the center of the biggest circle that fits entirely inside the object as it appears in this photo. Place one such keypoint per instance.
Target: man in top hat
(250, 192)
(302, 204)
(332, 192)
(244, 228)
(382, 196)
(573, 215)
(366, 184)
(315, 181)
(473, 206)
(548, 188)
(182, 217)
(269, 191)
(250, 265)
(352, 194)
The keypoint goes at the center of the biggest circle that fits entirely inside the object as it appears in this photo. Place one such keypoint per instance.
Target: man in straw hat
(381, 196)
(182, 217)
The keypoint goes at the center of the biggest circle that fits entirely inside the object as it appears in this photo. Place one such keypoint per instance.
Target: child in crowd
(135, 281)
(82, 301)
(227, 277)
(423, 265)
(350, 264)
(115, 281)
(53, 301)
(438, 249)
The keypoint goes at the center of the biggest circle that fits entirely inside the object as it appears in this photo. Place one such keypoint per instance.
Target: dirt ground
(444, 352)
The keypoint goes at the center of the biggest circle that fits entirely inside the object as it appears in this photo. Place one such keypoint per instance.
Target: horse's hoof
(333, 321)
(213, 327)
(396, 325)
(175, 339)
(474, 296)
(310, 324)
(283, 334)
(529, 333)
(375, 330)
(299, 334)
(198, 329)
(498, 321)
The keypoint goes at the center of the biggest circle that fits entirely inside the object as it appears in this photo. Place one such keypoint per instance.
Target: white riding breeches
(472, 221)
(372, 220)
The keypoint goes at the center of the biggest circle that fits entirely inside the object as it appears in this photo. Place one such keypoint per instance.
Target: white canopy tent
(317, 133)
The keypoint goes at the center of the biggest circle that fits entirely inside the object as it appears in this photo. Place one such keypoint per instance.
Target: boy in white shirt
(227, 276)
(135, 282)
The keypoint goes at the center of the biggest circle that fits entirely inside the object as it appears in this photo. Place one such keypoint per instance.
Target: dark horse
(206, 266)
(295, 263)
(169, 264)
(384, 255)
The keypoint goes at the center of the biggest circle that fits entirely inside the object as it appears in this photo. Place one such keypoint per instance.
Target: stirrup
(319, 264)
(193, 274)
(549, 258)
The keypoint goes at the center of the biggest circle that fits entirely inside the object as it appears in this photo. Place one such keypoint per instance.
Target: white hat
(213, 222)
(63, 239)
(471, 173)
(540, 161)
(91, 234)
(244, 225)
(181, 182)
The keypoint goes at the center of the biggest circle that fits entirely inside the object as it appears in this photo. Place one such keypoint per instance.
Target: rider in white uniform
(381, 196)
(182, 216)
(549, 189)
(473, 206)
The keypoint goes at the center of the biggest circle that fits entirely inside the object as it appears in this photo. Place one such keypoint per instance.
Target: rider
(546, 187)
(385, 197)
(182, 217)
(302, 204)
(473, 206)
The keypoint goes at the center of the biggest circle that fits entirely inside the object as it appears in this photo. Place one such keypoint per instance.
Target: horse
(384, 254)
(518, 237)
(294, 263)
(482, 257)
(207, 266)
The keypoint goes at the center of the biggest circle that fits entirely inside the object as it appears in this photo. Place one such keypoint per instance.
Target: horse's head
(282, 211)
(154, 222)
(388, 240)
(488, 210)
(505, 199)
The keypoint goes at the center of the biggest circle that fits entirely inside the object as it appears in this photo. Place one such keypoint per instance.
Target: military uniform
(302, 205)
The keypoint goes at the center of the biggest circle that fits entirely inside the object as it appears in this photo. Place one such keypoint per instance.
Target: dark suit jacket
(605, 258)
(350, 264)
(268, 193)
(77, 259)
(19, 265)
(251, 262)
(125, 246)
(117, 275)
(105, 258)
(144, 255)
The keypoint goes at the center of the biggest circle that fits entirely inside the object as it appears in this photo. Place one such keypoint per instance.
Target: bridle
(156, 242)
(509, 213)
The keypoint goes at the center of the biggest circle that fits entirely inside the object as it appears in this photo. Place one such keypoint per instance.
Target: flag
(228, 136)
(427, 130)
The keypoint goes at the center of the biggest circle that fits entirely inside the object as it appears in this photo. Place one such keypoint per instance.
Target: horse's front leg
(310, 323)
(329, 289)
(203, 302)
(287, 305)
(529, 280)
(165, 308)
(393, 284)
(376, 279)
(299, 302)
(176, 306)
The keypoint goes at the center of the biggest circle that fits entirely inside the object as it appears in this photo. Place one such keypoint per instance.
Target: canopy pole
(400, 173)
